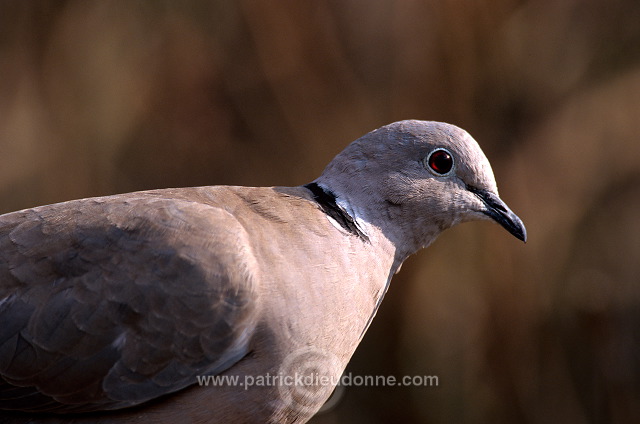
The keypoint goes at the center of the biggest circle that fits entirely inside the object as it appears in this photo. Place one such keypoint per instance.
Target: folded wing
(109, 302)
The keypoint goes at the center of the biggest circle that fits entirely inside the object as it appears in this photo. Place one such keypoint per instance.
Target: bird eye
(440, 161)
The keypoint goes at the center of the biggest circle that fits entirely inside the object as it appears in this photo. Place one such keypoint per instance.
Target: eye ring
(439, 162)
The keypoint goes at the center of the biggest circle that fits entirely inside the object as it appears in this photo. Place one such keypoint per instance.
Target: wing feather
(110, 302)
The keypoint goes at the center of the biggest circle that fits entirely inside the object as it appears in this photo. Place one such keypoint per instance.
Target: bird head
(414, 179)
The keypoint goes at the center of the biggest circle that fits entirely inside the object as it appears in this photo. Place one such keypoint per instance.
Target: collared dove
(113, 309)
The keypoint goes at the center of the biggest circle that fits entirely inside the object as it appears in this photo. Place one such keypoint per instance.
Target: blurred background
(104, 97)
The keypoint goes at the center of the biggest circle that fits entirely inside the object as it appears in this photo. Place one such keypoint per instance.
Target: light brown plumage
(110, 303)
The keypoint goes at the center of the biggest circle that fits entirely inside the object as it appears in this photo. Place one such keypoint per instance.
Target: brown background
(114, 96)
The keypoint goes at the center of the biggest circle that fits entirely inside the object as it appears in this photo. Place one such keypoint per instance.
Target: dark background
(114, 96)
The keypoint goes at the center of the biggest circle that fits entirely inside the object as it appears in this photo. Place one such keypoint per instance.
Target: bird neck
(367, 220)
(329, 204)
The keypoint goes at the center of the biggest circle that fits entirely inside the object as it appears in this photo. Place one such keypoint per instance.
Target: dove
(210, 304)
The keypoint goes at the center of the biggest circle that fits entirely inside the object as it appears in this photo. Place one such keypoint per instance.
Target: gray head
(414, 179)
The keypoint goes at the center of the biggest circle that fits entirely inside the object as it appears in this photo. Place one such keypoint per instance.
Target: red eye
(440, 161)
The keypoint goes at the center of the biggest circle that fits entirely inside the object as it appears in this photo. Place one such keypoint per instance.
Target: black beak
(500, 212)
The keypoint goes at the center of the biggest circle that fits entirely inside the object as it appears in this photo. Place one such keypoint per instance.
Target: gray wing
(110, 302)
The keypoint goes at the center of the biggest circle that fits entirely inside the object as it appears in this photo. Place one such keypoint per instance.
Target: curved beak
(496, 209)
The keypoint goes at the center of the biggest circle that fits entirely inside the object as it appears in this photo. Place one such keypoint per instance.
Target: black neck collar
(327, 202)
